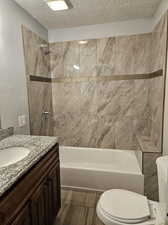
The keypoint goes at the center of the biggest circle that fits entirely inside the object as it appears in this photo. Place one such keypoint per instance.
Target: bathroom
(83, 111)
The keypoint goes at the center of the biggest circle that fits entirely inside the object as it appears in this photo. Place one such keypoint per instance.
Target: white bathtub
(100, 169)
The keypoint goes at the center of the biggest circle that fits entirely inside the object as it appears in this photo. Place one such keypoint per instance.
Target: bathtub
(100, 169)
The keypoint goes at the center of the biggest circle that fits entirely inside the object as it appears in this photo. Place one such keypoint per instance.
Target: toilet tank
(162, 169)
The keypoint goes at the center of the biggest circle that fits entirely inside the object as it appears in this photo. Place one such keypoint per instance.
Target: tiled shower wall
(89, 111)
(100, 113)
(156, 93)
(37, 61)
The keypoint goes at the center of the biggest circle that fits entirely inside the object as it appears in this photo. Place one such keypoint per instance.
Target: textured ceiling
(86, 12)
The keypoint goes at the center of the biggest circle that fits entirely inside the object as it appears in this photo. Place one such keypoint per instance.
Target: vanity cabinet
(24, 217)
(35, 199)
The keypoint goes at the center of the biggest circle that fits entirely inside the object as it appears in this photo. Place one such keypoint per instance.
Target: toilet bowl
(122, 207)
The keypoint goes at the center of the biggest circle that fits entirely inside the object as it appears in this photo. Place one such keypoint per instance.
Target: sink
(12, 155)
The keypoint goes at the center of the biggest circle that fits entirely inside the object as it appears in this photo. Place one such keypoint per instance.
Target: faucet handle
(45, 114)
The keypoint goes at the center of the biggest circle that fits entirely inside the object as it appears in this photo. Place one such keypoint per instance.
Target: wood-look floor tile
(97, 220)
(66, 196)
(98, 194)
(72, 215)
(90, 216)
(90, 200)
(78, 198)
(78, 208)
(61, 217)
(81, 198)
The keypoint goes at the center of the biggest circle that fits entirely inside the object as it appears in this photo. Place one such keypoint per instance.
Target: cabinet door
(38, 206)
(23, 218)
(58, 188)
(45, 202)
(54, 204)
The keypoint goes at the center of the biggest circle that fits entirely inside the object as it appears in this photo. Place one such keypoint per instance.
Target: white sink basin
(12, 155)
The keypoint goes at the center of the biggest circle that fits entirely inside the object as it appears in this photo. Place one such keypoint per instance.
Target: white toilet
(121, 207)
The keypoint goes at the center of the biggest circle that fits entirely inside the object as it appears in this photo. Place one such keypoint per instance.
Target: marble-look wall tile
(36, 51)
(95, 114)
(117, 110)
(156, 93)
(133, 54)
(37, 61)
(73, 110)
(73, 59)
(150, 175)
(56, 59)
(88, 58)
(141, 107)
(40, 101)
(159, 38)
(71, 53)
(106, 56)
(124, 133)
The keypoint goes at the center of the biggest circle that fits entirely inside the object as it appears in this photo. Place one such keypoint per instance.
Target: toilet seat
(120, 207)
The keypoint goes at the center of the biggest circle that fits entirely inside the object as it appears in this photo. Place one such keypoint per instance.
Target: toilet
(122, 207)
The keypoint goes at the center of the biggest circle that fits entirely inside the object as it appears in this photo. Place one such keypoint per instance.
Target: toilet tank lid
(162, 167)
(126, 205)
(162, 160)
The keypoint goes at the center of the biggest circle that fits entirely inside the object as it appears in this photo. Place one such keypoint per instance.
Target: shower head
(43, 46)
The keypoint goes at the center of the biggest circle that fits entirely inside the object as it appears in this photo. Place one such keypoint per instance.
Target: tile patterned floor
(78, 208)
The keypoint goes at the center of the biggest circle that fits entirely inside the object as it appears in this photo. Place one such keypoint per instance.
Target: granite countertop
(38, 146)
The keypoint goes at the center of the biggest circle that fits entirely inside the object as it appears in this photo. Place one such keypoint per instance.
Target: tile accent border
(108, 78)
(40, 79)
(157, 73)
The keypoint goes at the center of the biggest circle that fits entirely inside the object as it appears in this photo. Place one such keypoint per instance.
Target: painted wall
(13, 90)
(129, 27)
(101, 30)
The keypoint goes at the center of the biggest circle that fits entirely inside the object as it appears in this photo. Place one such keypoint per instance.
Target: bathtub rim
(139, 172)
(103, 170)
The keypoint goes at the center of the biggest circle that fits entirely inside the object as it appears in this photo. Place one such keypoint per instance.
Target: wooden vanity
(35, 198)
